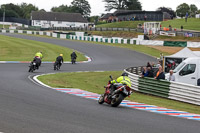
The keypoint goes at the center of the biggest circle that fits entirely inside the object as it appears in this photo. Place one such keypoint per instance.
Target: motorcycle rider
(73, 56)
(123, 79)
(37, 60)
(39, 56)
(59, 59)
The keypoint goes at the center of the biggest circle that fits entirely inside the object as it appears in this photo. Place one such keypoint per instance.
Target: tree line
(82, 6)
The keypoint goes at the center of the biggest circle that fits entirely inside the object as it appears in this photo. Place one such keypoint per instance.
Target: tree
(8, 13)
(193, 10)
(182, 9)
(168, 10)
(62, 8)
(27, 9)
(133, 5)
(81, 6)
(15, 10)
(123, 4)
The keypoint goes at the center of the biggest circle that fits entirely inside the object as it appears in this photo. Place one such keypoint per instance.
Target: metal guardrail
(163, 88)
(185, 92)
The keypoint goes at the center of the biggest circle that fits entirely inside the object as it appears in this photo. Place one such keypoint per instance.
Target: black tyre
(117, 100)
(101, 99)
(29, 69)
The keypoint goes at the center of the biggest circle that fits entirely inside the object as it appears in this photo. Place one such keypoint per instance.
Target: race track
(29, 108)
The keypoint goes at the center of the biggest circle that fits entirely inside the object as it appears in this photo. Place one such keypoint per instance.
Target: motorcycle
(56, 65)
(32, 67)
(73, 60)
(114, 99)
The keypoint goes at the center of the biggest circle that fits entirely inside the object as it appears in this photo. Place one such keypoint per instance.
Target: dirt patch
(171, 50)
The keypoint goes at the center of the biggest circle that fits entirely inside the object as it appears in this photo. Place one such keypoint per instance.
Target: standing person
(160, 74)
(186, 16)
(73, 57)
(181, 27)
(171, 76)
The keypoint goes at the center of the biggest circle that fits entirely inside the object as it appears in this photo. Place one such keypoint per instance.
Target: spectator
(159, 64)
(181, 27)
(144, 72)
(145, 17)
(148, 64)
(160, 74)
(153, 64)
(161, 56)
(186, 16)
(171, 76)
(150, 72)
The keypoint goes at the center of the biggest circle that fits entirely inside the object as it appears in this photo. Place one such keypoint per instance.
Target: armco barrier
(154, 87)
(171, 90)
(185, 92)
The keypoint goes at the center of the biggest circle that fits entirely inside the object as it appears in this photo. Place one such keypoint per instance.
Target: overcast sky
(97, 6)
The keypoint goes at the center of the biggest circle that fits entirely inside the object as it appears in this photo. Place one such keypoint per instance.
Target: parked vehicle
(32, 66)
(116, 98)
(188, 71)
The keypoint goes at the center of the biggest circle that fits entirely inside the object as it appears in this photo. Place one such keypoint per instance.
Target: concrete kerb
(125, 103)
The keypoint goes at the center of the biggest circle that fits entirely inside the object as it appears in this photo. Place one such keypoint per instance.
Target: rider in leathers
(123, 79)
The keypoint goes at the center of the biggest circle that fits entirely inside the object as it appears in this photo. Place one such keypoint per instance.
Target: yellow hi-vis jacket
(39, 55)
(123, 80)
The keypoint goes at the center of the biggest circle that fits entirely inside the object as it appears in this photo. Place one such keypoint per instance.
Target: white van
(188, 71)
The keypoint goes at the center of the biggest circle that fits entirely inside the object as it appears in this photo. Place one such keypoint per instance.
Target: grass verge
(16, 49)
(94, 82)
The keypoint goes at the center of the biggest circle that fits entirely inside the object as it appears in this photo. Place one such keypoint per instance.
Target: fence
(171, 90)
(16, 20)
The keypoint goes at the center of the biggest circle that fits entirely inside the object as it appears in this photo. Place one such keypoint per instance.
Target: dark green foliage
(123, 4)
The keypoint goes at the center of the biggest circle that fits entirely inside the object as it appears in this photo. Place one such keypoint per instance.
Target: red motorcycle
(114, 99)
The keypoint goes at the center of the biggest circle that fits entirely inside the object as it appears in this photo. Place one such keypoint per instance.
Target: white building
(57, 19)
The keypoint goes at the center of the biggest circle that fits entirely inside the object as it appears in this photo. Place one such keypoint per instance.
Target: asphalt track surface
(26, 107)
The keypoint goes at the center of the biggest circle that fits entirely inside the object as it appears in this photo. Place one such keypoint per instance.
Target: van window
(188, 69)
(179, 67)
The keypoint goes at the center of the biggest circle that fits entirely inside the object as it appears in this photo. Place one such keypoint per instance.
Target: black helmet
(124, 74)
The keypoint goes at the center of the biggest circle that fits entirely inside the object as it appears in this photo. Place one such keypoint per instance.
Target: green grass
(94, 82)
(15, 49)
(123, 24)
(191, 24)
(121, 34)
(5, 26)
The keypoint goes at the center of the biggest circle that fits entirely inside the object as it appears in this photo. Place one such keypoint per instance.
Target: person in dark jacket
(59, 60)
(73, 57)
(150, 72)
(160, 74)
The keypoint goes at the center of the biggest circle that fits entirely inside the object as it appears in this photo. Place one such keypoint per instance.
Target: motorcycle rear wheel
(101, 99)
(117, 100)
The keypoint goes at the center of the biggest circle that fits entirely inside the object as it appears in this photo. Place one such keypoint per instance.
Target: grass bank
(122, 24)
(191, 24)
(121, 34)
(5, 26)
(94, 82)
(16, 49)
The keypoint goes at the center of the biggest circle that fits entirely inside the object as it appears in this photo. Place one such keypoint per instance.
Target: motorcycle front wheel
(101, 99)
(117, 100)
